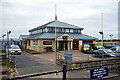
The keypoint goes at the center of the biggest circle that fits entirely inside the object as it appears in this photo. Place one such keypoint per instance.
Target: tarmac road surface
(29, 64)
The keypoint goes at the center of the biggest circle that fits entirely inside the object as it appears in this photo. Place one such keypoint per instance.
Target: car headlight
(19, 51)
(12, 51)
(112, 55)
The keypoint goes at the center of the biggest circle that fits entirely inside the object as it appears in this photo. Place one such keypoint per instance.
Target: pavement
(29, 64)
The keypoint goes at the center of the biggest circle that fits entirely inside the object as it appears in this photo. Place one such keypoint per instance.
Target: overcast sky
(19, 16)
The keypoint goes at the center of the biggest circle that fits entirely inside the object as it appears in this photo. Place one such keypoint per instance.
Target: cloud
(22, 15)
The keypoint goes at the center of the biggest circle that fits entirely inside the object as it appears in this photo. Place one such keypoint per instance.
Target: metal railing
(64, 71)
(61, 58)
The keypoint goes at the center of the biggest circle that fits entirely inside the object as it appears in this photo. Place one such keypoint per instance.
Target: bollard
(64, 72)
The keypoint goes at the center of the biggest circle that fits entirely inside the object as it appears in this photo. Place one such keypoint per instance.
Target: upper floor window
(71, 30)
(79, 31)
(67, 30)
(40, 31)
(51, 29)
(75, 30)
(44, 30)
(59, 30)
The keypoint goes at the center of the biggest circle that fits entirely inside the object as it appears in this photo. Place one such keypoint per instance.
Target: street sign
(98, 73)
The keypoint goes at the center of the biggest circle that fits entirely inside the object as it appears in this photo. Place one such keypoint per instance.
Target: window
(44, 30)
(59, 30)
(71, 30)
(67, 30)
(63, 30)
(51, 29)
(35, 42)
(40, 31)
(79, 31)
(29, 43)
(75, 30)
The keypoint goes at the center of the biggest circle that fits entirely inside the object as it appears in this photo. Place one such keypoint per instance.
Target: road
(29, 64)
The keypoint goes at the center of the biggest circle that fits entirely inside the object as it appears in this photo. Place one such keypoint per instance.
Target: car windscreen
(15, 47)
(86, 46)
(97, 45)
(108, 50)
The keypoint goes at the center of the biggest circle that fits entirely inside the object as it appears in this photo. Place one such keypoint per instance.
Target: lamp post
(3, 41)
(111, 38)
(101, 32)
(8, 42)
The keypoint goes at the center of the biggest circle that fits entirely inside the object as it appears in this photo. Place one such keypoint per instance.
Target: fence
(77, 62)
(65, 70)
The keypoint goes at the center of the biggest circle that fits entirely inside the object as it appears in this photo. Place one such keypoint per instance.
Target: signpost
(98, 73)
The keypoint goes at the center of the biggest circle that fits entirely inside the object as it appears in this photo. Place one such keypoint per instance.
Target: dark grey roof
(59, 24)
(52, 36)
(24, 36)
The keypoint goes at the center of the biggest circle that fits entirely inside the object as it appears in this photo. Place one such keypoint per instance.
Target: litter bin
(68, 57)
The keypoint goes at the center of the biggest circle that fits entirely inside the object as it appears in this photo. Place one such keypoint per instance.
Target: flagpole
(55, 27)
(102, 28)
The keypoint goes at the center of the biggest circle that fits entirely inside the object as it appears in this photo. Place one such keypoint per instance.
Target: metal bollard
(64, 72)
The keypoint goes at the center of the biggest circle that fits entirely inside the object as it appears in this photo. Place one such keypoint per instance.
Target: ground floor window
(35, 42)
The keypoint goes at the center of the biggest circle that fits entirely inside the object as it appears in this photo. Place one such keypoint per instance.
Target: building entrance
(63, 45)
(75, 45)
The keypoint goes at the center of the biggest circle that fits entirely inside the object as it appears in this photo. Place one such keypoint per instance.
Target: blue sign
(47, 42)
(68, 57)
(98, 73)
(65, 37)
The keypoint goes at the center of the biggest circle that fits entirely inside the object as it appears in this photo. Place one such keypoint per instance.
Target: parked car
(96, 46)
(14, 50)
(104, 53)
(86, 48)
(116, 49)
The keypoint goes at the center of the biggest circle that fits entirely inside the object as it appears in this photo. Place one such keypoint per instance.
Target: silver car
(14, 50)
(116, 49)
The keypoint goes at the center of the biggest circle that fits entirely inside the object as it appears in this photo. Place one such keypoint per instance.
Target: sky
(19, 16)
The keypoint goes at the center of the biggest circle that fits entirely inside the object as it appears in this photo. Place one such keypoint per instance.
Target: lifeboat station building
(66, 36)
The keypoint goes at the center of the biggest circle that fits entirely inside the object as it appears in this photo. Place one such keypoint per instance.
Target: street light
(101, 32)
(9, 32)
(111, 38)
(3, 41)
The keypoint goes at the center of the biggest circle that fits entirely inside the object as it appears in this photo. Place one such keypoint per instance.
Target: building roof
(24, 36)
(52, 36)
(58, 24)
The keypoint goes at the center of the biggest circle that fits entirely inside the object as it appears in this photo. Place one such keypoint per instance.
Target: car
(86, 48)
(116, 49)
(14, 50)
(104, 53)
(96, 46)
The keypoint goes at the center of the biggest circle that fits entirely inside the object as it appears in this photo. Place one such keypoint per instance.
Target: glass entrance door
(63, 45)
(75, 45)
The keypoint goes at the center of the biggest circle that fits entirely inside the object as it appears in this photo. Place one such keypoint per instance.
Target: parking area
(76, 55)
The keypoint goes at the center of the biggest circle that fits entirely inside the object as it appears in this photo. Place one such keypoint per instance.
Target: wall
(40, 47)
